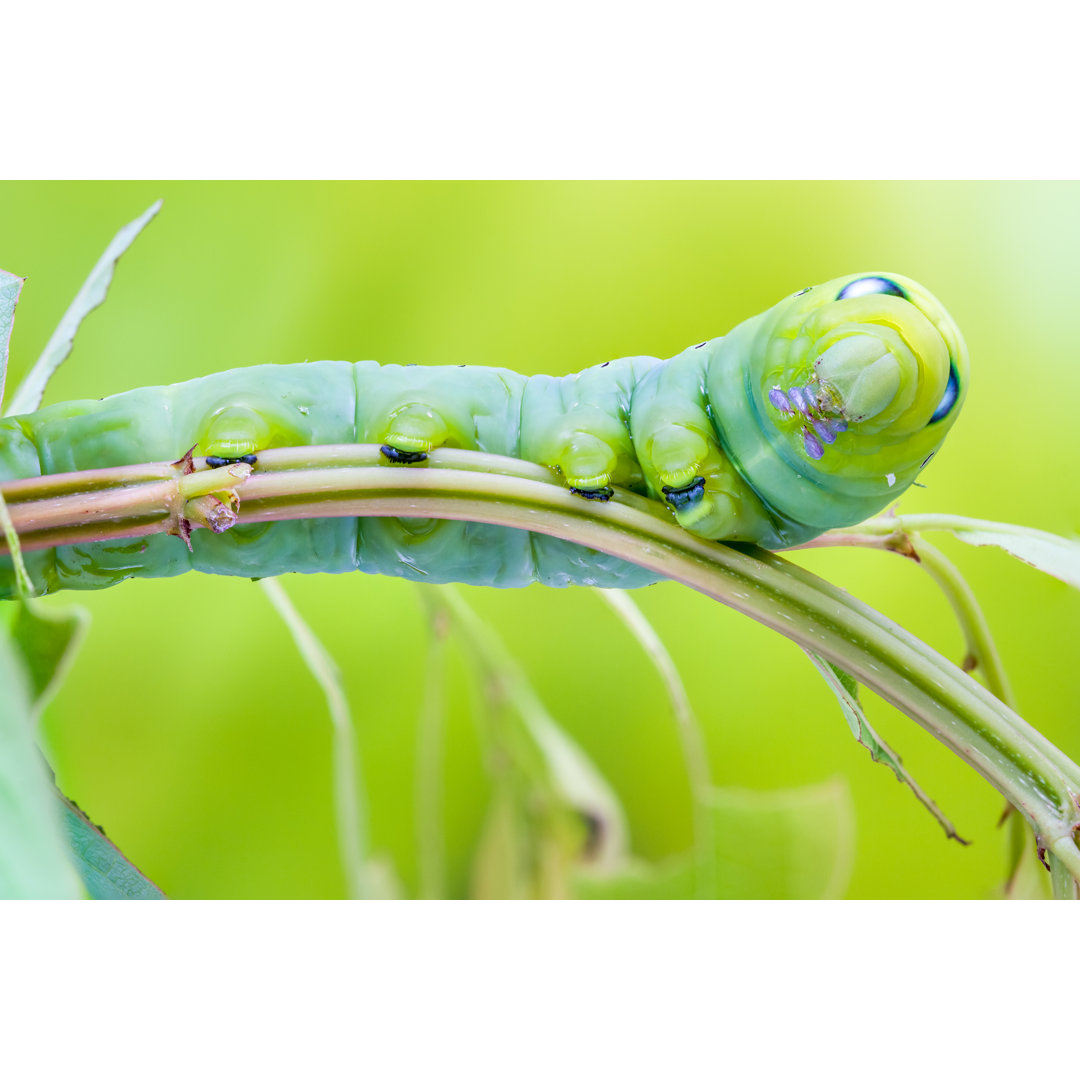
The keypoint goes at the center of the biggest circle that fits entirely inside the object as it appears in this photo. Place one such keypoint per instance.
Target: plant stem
(982, 653)
(10, 536)
(1062, 882)
(980, 642)
(691, 737)
(430, 842)
(348, 802)
(1033, 774)
(982, 656)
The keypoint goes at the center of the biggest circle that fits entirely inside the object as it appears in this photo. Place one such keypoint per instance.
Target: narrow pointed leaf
(1052, 554)
(10, 287)
(846, 690)
(105, 872)
(1056, 555)
(28, 397)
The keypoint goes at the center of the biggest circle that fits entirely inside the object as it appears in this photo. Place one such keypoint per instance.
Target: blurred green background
(221, 788)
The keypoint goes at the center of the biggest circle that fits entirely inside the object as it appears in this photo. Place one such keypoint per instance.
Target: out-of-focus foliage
(189, 728)
(34, 862)
(776, 845)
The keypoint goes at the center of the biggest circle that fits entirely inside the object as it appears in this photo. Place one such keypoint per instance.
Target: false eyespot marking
(774, 469)
(864, 286)
(875, 283)
(950, 397)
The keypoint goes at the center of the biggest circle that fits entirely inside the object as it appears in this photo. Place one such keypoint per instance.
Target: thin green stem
(691, 736)
(982, 653)
(1063, 884)
(523, 785)
(11, 537)
(981, 649)
(348, 802)
(1033, 774)
(920, 523)
(430, 839)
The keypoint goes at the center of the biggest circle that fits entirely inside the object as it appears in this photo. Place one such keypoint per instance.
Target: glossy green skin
(639, 423)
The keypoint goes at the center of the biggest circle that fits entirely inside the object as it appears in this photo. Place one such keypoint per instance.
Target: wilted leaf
(846, 690)
(584, 788)
(795, 844)
(28, 397)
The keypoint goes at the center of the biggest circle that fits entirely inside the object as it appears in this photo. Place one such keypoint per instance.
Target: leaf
(583, 787)
(104, 870)
(552, 777)
(349, 810)
(846, 690)
(1052, 554)
(795, 844)
(34, 862)
(10, 287)
(28, 397)
(47, 639)
(499, 865)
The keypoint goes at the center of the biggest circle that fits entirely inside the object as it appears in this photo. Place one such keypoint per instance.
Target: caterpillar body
(812, 415)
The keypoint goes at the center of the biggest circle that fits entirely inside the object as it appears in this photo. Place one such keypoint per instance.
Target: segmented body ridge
(812, 415)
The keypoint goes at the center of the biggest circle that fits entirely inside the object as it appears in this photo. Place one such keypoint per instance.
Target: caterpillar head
(853, 386)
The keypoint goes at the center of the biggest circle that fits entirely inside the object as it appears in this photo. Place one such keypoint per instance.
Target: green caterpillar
(813, 415)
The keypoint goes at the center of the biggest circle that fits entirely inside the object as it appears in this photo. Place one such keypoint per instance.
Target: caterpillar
(812, 415)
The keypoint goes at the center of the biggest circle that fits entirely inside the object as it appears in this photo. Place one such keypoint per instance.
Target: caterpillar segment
(813, 415)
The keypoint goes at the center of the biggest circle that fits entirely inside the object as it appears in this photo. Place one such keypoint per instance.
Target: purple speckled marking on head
(825, 431)
(779, 399)
(813, 447)
(801, 399)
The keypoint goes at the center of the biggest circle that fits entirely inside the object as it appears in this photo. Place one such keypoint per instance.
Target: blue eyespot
(864, 286)
(950, 397)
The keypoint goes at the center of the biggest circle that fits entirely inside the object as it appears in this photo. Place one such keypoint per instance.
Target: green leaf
(28, 397)
(104, 870)
(796, 844)
(582, 786)
(10, 287)
(47, 639)
(34, 862)
(846, 690)
(566, 810)
(1052, 554)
